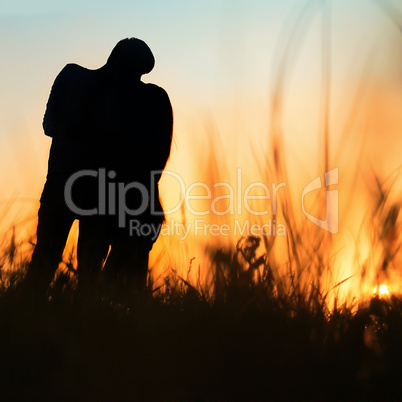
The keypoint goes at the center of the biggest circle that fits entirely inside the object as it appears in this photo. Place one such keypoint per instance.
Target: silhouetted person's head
(131, 55)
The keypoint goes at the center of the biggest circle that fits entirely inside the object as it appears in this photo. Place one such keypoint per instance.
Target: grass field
(243, 341)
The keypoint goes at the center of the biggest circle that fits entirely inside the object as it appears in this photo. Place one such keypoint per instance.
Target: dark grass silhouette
(242, 341)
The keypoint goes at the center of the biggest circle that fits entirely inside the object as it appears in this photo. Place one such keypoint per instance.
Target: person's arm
(57, 114)
(162, 127)
(141, 140)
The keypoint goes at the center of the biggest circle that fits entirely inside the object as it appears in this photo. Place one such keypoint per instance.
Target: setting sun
(381, 291)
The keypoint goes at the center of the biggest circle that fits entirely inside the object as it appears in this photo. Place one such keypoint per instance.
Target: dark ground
(179, 347)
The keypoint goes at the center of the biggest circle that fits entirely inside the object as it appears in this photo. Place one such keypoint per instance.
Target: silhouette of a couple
(105, 120)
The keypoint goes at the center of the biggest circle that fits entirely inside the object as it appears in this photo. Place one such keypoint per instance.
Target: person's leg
(127, 264)
(53, 228)
(92, 249)
(134, 263)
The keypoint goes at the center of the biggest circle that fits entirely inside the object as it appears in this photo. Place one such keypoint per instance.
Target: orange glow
(381, 291)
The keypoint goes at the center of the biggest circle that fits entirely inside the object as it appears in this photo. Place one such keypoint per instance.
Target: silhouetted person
(105, 118)
(140, 117)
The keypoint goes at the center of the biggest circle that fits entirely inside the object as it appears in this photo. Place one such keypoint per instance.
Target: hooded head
(131, 55)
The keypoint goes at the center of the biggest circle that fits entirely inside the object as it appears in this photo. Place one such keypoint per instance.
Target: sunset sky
(218, 61)
(215, 58)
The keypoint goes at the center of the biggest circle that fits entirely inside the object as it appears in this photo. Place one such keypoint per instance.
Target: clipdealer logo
(112, 199)
(112, 196)
(331, 221)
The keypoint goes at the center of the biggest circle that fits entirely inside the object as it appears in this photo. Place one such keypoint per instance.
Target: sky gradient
(216, 59)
